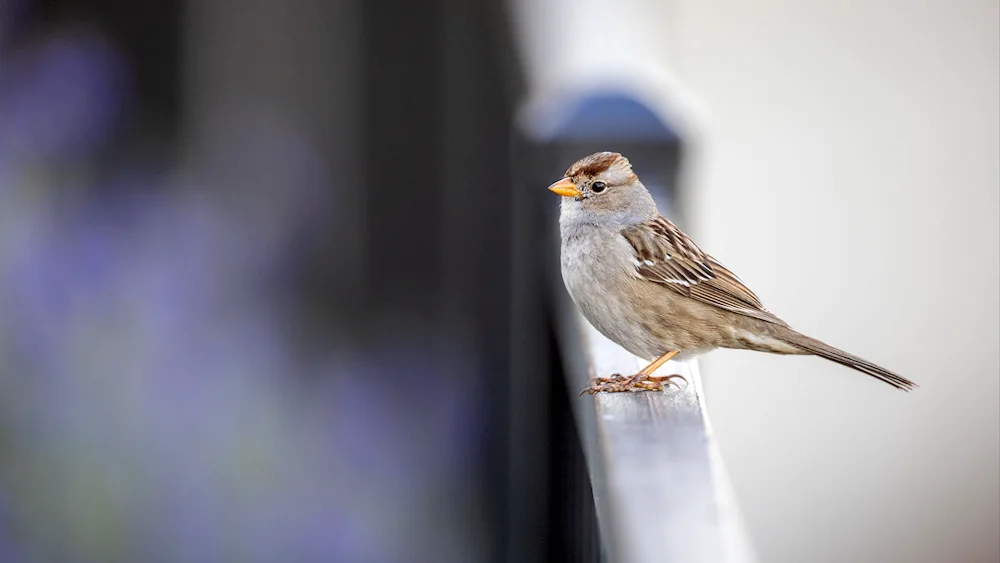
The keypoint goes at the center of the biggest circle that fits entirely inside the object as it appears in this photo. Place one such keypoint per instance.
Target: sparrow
(646, 285)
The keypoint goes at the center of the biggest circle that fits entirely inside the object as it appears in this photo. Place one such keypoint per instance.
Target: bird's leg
(644, 380)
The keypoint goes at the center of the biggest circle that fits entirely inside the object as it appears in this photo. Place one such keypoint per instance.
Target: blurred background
(275, 277)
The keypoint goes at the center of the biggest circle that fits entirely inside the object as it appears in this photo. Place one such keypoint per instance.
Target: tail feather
(813, 346)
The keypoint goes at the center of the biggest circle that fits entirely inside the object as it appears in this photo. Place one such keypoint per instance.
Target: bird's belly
(629, 333)
(618, 317)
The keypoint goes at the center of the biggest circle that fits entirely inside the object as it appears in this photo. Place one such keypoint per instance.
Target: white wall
(849, 171)
(850, 174)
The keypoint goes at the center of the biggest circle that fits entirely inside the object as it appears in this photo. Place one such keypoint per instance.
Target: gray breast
(598, 270)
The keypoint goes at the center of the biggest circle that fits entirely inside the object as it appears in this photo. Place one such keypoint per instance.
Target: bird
(645, 285)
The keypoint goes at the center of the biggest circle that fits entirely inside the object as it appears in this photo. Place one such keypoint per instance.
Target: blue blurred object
(613, 117)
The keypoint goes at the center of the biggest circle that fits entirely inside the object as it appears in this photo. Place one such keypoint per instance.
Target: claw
(641, 382)
(613, 378)
(669, 380)
(599, 384)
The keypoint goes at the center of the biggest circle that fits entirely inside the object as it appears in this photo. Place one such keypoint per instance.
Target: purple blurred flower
(144, 339)
(60, 97)
(153, 403)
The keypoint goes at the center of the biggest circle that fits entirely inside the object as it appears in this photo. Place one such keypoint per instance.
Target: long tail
(813, 346)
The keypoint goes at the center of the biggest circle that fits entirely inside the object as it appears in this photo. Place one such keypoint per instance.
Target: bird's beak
(566, 188)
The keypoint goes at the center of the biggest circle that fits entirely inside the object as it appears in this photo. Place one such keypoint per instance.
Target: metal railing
(659, 487)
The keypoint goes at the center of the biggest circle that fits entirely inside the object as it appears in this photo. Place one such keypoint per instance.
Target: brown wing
(665, 255)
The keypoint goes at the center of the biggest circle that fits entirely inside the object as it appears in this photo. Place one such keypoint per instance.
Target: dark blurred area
(255, 270)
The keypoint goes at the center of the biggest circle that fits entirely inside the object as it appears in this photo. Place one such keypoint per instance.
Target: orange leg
(644, 380)
(655, 364)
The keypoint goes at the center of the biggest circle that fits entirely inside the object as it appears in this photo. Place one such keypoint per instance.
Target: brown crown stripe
(593, 164)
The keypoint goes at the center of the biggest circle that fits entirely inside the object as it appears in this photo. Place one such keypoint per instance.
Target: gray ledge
(660, 489)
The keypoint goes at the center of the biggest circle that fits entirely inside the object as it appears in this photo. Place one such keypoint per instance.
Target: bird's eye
(598, 187)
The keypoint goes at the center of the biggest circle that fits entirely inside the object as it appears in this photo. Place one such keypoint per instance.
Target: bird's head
(602, 189)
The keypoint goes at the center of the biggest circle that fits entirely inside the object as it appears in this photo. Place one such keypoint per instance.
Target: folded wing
(665, 255)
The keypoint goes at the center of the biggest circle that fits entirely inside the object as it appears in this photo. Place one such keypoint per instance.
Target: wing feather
(665, 255)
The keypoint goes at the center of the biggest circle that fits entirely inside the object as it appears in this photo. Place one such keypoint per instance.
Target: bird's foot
(618, 383)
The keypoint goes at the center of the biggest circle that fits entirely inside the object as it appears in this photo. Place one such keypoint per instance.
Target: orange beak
(566, 188)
